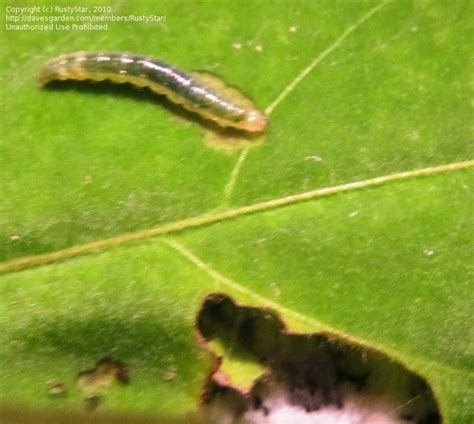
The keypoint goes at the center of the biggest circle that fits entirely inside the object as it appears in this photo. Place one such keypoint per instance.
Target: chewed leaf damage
(304, 377)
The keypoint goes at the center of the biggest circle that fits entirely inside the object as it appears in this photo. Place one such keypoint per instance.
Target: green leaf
(352, 216)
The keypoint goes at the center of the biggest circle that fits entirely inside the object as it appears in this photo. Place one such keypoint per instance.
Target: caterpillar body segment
(203, 94)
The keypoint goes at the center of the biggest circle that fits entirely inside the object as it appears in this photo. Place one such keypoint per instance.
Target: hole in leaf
(267, 374)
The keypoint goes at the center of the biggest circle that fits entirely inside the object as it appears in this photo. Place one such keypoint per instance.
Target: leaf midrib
(205, 219)
(216, 217)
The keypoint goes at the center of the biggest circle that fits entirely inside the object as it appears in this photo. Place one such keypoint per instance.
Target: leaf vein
(220, 278)
(229, 187)
(318, 59)
(212, 218)
(317, 326)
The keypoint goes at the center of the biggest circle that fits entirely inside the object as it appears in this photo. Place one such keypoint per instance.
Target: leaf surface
(354, 92)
